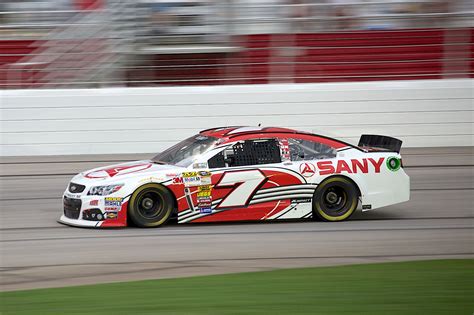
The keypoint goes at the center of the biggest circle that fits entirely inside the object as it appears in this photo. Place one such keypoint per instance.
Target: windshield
(184, 153)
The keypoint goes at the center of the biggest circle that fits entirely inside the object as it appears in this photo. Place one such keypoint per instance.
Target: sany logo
(119, 170)
(307, 169)
(333, 167)
(354, 166)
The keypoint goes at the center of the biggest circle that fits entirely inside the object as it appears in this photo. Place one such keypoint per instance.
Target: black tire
(335, 199)
(151, 205)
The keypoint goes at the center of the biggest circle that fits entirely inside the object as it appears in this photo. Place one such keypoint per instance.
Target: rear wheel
(335, 199)
(151, 205)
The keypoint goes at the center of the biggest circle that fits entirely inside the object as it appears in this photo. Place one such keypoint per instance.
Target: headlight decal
(104, 190)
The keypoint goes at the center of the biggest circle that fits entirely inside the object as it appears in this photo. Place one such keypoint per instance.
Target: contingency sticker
(111, 214)
(285, 150)
(191, 179)
(113, 203)
(205, 177)
(204, 191)
(204, 198)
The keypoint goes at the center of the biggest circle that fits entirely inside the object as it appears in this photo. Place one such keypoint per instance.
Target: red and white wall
(423, 113)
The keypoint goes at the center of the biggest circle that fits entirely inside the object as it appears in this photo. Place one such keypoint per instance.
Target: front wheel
(151, 205)
(335, 199)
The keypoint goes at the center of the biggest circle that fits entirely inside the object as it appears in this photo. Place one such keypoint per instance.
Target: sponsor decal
(204, 191)
(94, 203)
(302, 200)
(73, 196)
(307, 169)
(205, 210)
(364, 166)
(204, 205)
(205, 177)
(152, 179)
(204, 199)
(171, 175)
(285, 149)
(205, 188)
(204, 173)
(366, 207)
(117, 171)
(178, 180)
(191, 179)
(113, 203)
(111, 214)
(393, 163)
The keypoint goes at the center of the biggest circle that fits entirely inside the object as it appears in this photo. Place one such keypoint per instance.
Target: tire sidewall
(141, 221)
(352, 198)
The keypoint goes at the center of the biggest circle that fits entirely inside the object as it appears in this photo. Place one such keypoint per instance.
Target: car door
(237, 175)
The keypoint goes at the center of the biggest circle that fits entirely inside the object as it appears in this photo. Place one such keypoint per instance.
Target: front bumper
(94, 211)
(79, 222)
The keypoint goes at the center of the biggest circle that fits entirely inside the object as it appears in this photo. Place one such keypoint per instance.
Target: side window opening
(249, 152)
(217, 161)
(302, 150)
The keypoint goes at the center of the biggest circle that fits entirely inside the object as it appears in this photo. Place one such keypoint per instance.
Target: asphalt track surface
(37, 252)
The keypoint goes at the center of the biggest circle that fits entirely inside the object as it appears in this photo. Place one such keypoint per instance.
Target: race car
(242, 174)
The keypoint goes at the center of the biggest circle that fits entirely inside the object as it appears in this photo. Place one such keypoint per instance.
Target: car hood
(123, 171)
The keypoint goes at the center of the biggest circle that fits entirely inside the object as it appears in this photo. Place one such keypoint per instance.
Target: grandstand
(97, 43)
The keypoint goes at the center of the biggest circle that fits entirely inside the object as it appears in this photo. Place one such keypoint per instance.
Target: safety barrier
(422, 113)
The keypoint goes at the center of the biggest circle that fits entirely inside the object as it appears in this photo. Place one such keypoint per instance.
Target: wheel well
(175, 200)
(349, 179)
(174, 214)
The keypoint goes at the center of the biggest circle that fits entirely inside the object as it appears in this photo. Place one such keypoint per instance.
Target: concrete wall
(140, 120)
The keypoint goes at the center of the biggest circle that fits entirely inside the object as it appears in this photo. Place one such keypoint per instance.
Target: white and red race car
(242, 174)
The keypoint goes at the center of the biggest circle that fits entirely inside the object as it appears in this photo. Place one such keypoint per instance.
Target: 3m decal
(178, 180)
(307, 169)
(244, 183)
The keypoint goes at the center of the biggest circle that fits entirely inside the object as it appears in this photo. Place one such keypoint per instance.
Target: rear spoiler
(383, 143)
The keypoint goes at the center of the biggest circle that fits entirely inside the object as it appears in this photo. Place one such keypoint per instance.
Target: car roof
(234, 133)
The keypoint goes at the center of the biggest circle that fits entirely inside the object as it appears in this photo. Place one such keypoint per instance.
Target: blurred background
(107, 43)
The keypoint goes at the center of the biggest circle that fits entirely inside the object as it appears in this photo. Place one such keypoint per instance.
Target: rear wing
(380, 143)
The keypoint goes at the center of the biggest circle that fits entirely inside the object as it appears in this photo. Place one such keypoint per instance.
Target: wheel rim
(335, 200)
(150, 204)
